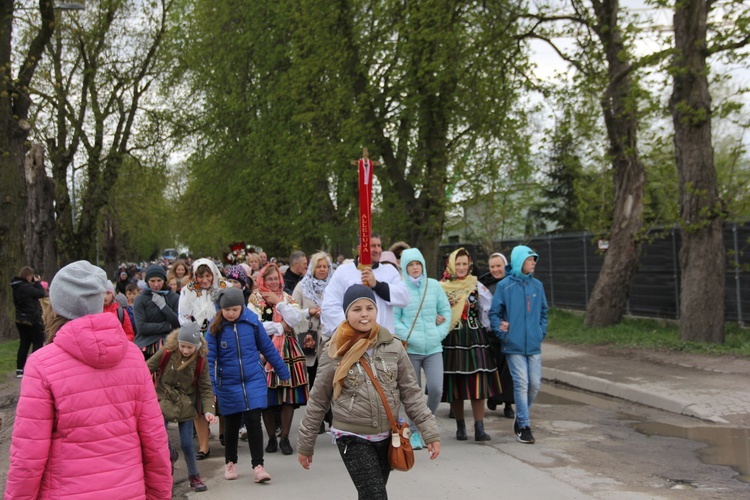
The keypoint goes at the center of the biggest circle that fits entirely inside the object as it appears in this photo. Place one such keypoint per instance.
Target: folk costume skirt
(469, 369)
(295, 390)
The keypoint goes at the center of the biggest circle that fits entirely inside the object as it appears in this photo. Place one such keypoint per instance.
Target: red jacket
(126, 324)
(88, 424)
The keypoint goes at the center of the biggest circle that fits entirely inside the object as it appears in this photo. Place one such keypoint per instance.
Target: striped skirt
(295, 390)
(469, 369)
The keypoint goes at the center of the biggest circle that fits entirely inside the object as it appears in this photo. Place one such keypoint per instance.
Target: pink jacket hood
(94, 340)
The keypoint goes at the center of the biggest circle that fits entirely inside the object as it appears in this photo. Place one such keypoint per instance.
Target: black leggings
(30, 335)
(367, 463)
(254, 436)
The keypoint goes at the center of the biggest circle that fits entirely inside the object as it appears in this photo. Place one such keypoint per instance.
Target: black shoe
(322, 429)
(272, 445)
(516, 429)
(479, 434)
(286, 447)
(491, 404)
(202, 455)
(221, 439)
(526, 436)
(508, 411)
(173, 456)
(461, 430)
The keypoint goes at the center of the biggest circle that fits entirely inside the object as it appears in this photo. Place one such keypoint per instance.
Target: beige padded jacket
(359, 408)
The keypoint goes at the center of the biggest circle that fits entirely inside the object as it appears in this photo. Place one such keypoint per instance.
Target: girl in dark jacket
(238, 376)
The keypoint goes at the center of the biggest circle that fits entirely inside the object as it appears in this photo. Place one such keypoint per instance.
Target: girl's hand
(439, 320)
(433, 448)
(211, 418)
(287, 328)
(504, 325)
(304, 461)
(314, 311)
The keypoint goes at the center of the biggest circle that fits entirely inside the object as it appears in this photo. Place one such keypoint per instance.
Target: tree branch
(36, 49)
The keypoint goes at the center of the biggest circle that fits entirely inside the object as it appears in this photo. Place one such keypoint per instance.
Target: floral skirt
(295, 390)
(469, 369)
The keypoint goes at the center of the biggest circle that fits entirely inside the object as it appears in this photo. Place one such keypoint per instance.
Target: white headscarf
(312, 287)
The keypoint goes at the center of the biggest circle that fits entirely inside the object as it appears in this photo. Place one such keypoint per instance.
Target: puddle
(726, 446)
(549, 398)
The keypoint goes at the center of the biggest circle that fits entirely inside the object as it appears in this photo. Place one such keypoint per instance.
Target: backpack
(120, 314)
(199, 363)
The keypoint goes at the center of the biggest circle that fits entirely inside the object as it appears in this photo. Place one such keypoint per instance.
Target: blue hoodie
(426, 337)
(520, 300)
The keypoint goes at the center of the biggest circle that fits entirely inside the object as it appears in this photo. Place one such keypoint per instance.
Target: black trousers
(30, 335)
(506, 380)
(254, 436)
(367, 464)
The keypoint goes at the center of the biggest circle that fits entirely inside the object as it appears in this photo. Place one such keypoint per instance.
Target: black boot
(479, 434)
(273, 445)
(461, 430)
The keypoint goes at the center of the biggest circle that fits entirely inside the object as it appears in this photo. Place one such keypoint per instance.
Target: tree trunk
(702, 255)
(41, 247)
(609, 299)
(14, 130)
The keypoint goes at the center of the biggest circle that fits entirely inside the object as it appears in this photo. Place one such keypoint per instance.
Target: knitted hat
(229, 297)
(155, 271)
(190, 333)
(237, 273)
(109, 287)
(356, 292)
(77, 290)
(122, 300)
(142, 285)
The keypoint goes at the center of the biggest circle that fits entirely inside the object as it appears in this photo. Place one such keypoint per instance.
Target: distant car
(170, 255)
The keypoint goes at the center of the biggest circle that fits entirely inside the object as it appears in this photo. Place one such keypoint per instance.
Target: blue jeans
(527, 380)
(186, 443)
(433, 371)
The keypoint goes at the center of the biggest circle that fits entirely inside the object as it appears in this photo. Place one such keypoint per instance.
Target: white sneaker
(243, 433)
(230, 471)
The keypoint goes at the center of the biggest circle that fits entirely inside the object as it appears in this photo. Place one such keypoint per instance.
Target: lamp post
(59, 7)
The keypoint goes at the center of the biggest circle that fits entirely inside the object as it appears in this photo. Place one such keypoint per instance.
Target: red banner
(365, 205)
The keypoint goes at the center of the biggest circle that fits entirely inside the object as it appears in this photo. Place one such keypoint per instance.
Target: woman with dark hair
(469, 368)
(27, 290)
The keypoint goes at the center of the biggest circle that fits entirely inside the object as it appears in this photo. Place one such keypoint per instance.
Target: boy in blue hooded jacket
(518, 317)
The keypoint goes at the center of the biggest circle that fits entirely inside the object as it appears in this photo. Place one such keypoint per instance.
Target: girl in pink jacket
(88, 424)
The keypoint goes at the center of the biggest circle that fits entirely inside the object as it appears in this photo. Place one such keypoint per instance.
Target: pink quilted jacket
(88, 425)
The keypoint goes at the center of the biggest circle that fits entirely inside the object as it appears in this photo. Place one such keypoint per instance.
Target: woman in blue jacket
(423, 324)
(236, 341)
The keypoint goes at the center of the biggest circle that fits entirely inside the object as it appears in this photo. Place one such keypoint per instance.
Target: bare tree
(15, 102)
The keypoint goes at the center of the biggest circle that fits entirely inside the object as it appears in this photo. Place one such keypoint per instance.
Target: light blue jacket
(520, 300)
(426, 337)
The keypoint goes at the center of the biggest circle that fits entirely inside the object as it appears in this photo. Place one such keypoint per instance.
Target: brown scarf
(350, 345)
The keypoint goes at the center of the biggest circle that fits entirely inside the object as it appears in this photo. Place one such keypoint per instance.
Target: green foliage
(567, 327)
(8, 352)
(141, 214)
(291, 91)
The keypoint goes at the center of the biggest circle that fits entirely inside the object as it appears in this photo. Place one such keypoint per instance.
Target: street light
(61, 6)
(70, 5)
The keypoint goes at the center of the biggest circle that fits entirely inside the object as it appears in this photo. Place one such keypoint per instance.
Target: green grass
(568, 328)
(8, 351)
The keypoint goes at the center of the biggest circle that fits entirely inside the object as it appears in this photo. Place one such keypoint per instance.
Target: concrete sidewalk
(711, 388)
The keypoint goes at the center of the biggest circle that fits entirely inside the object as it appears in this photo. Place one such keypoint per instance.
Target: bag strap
(199, 362)
(120, 314)
(427, 282)
(366, 366)
(162, 365)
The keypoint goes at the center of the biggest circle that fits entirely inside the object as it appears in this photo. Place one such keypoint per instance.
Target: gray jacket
(359, 408)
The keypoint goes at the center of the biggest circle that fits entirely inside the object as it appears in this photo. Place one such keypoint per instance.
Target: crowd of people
(246, 344)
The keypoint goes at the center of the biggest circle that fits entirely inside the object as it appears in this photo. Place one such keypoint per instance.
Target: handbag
(301, 341)
(406, 342)
(400, 452)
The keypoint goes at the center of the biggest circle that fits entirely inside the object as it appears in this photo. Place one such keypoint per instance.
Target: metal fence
(569, 266)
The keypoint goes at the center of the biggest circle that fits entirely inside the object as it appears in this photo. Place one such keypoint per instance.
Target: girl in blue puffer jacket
(423, 329)
(238, 376)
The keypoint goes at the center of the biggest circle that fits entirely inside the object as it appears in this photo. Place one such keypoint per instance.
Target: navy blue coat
(238, 375)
